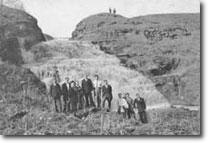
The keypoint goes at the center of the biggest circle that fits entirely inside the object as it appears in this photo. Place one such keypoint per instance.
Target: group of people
(126, 106)
(75, 96)
(96, 94)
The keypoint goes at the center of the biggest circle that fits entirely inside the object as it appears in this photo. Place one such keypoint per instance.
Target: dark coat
(130, 100)
(87, 86)
(140, 104)
(65, 91)
(107, 91)
(55, 91)
(79, 92)
(57, 77)
(73, 94)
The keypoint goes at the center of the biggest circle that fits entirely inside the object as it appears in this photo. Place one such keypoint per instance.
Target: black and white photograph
(100, 68)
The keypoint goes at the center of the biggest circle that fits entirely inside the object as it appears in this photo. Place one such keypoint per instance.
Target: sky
(59, 18)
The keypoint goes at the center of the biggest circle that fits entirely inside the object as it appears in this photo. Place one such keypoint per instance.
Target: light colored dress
(122, 103)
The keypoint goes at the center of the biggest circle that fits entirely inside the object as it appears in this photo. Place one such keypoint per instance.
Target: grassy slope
(14, 103)
(41, 121)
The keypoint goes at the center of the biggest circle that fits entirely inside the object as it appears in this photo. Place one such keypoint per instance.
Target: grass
(172, 122)
(40, 119)
(17, 111)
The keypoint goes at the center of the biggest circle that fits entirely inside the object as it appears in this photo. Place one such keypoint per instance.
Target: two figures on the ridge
(112, 11)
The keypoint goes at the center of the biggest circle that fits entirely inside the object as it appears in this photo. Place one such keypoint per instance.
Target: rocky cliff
(18, 32)
(166, 48)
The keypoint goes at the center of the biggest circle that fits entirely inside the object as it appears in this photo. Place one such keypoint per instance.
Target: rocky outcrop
(154, 45)
(155, 34)
(18, 32)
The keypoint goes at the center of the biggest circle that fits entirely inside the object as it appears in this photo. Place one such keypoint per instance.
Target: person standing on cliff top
(114, 12)
(110, 10)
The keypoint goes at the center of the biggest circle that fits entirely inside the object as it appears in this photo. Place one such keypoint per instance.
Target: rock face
(155, 45)
(18, 32)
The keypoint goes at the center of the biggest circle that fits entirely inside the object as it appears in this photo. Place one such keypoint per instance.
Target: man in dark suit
(140, 104)
(130, 101)
(55, 92)
(74, 97)
(80, 95)
(107, 94)
(87, 87)
(66, 95)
